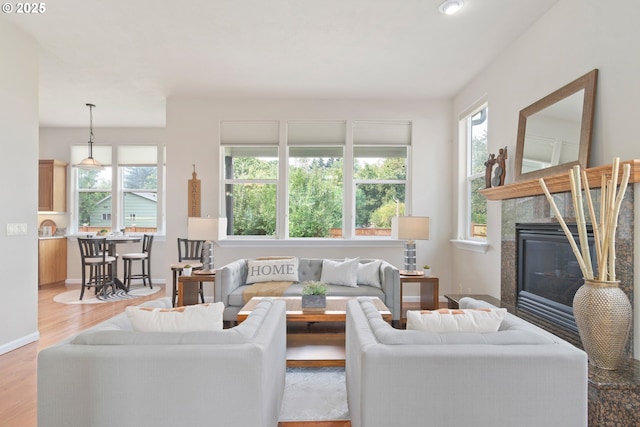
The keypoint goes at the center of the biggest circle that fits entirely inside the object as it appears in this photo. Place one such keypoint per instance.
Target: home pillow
(465, 320)
(191, 318)
(343, 273)
(272, 270)
(369, 274)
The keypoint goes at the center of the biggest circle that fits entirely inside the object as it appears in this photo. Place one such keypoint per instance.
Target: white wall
(573, 38)
(55, 143)
(19, 189)
(193, 138)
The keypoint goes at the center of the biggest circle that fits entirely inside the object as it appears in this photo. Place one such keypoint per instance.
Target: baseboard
(27, 339)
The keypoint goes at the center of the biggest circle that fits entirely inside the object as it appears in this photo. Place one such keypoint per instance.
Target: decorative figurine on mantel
(489, 168)
(501, 170)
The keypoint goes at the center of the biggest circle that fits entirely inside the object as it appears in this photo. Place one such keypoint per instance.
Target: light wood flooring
(55, 322)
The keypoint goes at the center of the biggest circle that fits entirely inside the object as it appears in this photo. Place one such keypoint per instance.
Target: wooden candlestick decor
(194, 195)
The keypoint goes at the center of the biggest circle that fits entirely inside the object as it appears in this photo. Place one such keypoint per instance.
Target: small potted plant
(103, 232)
(314, 295)
(187, 269)
(427, 270)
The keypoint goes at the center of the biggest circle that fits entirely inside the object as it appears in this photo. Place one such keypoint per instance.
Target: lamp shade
(202, 228)
(410, 227)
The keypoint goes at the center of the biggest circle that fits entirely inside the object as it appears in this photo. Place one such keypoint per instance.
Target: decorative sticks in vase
(604, 227)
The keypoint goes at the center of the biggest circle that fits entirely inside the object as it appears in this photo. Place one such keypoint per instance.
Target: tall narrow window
(380, 163)
(315, 191)
(93, 190)
(380, 175)
(476, 125)
(138, 166)
(251, 177)
(316, 177)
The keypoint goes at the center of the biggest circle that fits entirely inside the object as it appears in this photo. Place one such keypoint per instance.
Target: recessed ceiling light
(449, 7)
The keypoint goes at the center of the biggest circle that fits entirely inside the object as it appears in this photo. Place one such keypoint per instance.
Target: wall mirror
(554, 133)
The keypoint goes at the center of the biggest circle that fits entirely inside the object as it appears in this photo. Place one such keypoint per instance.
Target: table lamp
(204, 229)
(410, 228)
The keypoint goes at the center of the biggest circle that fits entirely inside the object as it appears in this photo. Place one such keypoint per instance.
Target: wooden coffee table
(315, 349)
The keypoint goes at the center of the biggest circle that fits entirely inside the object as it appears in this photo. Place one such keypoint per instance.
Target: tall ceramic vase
(603, 315)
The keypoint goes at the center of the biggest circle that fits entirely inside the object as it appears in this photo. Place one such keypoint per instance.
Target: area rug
(312, 394)
(72, 296)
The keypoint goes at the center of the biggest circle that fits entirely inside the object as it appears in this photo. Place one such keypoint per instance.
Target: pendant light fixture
(90, 163)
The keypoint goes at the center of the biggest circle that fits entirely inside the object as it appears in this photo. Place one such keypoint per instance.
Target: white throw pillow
(272, 270)
(369, 274)
(190, 318)
(343, 273)
(465, 320)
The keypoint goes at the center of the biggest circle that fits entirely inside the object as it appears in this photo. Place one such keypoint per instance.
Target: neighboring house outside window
(327, 177)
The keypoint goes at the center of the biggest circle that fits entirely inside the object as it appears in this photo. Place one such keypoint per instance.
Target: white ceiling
(127, 57)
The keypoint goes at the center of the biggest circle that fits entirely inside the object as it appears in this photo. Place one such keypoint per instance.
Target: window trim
(465, 240)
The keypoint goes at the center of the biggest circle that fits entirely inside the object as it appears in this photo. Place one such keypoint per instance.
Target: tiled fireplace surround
(614, 396)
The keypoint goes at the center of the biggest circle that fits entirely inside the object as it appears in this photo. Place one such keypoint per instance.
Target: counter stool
(97, 263)
(145, 258)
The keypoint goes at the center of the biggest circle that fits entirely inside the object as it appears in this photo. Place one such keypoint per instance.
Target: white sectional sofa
(519, 376)
(231, 280)
(111, 376)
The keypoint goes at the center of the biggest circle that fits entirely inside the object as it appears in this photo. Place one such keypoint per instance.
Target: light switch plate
(16, 229)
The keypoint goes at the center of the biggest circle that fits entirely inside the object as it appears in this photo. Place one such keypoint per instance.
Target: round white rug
(72, 296)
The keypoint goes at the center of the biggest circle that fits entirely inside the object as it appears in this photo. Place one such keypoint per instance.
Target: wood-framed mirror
(554, 133)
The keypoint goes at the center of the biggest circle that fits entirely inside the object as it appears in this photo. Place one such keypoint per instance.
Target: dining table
(113, 241)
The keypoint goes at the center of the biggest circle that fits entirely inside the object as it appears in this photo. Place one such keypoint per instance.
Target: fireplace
(548, 274)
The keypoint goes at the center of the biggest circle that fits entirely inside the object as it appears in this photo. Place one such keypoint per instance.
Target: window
(380, 171)
(93, 190)
(475, 125)
(317, 175)
(380, 177)
(251, 177)
(102, 201)
(138, 167)
(315, 191)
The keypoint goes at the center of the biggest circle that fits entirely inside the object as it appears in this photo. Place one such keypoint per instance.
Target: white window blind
(250, 132)
(100, 153)
(316, 132)
(382, 132)
(137, 155)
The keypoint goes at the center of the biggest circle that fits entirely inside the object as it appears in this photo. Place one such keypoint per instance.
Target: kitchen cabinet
(52, 260)
(52, 186)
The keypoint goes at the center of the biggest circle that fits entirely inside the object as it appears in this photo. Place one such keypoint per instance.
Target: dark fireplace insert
(548, 274)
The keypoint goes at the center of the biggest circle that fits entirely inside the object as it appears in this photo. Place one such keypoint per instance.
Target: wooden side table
(188, 287)
(429, 293)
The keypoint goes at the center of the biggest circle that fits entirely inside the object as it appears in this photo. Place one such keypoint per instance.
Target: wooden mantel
(556, 183)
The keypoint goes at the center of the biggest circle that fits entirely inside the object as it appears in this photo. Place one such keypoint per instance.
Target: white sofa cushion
(369, 273)
(272, 270)
(458, 320)
(343, 273)
(191, 318)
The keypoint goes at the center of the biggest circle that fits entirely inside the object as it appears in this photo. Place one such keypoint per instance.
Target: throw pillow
(343, 273)
(466, 320)
(272, 270)
(369, 274)
(191, 318)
